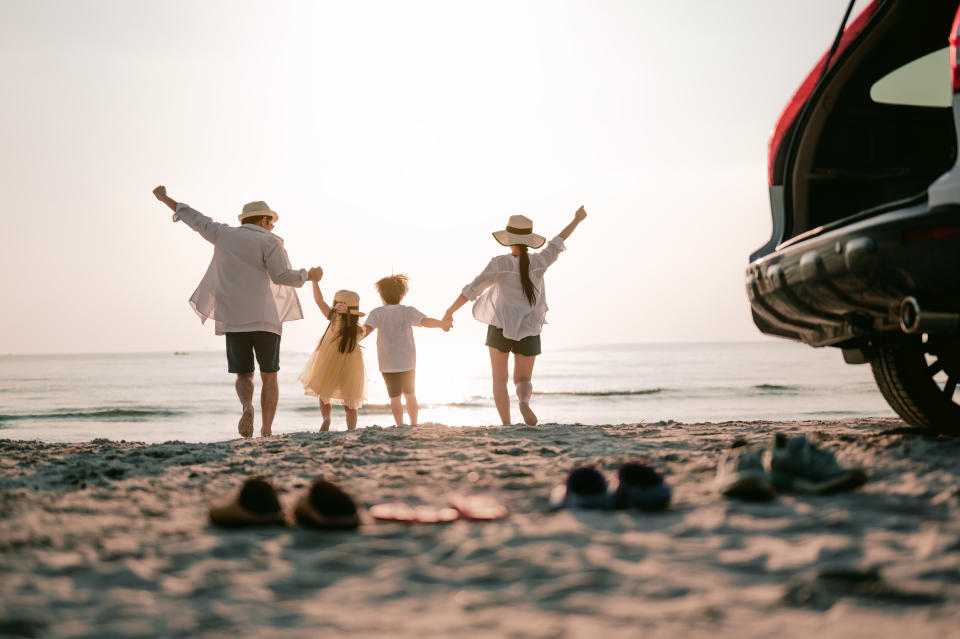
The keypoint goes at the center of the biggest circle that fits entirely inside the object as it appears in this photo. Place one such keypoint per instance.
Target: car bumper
(848, 283)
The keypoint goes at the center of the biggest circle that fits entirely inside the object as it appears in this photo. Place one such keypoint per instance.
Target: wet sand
(111, 539)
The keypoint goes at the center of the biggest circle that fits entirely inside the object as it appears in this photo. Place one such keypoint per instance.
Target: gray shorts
(527, 346)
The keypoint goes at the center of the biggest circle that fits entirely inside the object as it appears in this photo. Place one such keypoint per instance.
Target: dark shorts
(526, 346)
(400, 383)
(242, 346)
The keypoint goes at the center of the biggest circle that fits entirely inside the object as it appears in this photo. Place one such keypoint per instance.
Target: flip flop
(585, 488)
(401, 512)
(478, 507)
(327, 507)
(256, 504)
(640, 486)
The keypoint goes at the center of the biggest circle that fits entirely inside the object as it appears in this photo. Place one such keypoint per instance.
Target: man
(248, 292)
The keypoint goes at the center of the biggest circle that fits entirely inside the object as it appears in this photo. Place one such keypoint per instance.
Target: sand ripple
(110, 539)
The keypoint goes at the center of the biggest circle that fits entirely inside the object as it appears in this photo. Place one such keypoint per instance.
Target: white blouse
(501, 300)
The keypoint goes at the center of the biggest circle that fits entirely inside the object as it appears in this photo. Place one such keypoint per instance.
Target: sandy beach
(111, 539)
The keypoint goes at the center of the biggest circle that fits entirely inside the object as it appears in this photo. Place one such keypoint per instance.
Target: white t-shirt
(395, 348)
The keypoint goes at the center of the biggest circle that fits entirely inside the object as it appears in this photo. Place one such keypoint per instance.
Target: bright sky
(391, 136)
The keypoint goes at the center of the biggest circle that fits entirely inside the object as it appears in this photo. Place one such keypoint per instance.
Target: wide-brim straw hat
(253, 209)
(351, 299)
(519, 231)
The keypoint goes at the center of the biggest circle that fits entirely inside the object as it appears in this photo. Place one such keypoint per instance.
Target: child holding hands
(396, 350)
(334, 373)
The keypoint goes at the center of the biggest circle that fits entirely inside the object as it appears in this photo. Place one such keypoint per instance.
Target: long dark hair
(348, 331)
(528, 291)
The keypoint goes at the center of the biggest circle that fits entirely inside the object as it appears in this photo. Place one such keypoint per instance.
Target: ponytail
(528, 291)
(348, 331)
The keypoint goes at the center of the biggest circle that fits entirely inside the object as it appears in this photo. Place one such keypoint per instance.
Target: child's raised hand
(580, 215)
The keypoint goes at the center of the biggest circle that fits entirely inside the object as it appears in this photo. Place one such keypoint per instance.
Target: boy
(396, 350)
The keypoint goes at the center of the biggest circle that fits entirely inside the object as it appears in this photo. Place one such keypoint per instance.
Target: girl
(514, 306)
(334, 373)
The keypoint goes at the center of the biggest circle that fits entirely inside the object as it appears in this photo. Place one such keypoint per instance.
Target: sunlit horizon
(393, 138)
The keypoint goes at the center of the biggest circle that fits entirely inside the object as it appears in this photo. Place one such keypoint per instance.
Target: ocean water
(165, 396)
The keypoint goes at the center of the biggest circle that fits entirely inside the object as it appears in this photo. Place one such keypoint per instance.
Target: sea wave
(365, 409)
(103, 414)
(775, 387)
(604, 393)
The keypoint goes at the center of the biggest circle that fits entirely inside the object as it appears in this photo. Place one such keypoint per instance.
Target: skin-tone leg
(351, 418)
(396, 405)
(523, 373)
(499, 369)
(269, 395)
(413, 409)
(325, 411)
(244, 388)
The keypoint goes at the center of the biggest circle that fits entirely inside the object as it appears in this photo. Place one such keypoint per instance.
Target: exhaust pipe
(913, 320)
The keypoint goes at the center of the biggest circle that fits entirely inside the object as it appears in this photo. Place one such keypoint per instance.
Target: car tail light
(804, 93)
(954, 67)
(930, 233)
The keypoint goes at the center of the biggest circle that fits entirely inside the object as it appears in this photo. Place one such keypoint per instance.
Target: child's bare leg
(413, 409)
(522, 374)
(351, 418)
(498, 368)
(396, 406)
(325, 411)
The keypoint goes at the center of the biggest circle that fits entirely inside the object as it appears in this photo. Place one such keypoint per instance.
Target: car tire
(918, 377)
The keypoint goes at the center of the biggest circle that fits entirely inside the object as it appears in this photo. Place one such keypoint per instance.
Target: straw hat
(253, 209)
(349, 299)
(519, 231)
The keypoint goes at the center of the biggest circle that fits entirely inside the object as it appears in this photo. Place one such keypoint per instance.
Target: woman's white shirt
(499, 295)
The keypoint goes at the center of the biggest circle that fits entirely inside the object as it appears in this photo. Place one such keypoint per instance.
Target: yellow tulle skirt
(334, 377)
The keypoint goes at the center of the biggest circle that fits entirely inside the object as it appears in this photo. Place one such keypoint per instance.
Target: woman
(513, 303)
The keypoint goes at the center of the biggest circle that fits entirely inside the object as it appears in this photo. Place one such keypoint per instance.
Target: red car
(865, 199)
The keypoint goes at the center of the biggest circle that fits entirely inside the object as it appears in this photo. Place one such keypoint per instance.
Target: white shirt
(502, 302)
(395, 348)
(247, 286)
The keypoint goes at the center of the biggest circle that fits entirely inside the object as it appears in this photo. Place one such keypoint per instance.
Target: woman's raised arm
(578, 217)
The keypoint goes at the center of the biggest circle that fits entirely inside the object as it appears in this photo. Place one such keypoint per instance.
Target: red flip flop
(401, 512)
(478, 507)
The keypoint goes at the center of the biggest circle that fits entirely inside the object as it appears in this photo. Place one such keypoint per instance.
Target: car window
(922, 82)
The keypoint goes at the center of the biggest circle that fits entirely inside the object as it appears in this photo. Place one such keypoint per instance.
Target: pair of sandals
(324, 505)
(637, 485)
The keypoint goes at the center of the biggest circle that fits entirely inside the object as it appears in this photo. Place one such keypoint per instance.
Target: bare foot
(529, 417)
(326, 424)
(245, 426)
(266, 432)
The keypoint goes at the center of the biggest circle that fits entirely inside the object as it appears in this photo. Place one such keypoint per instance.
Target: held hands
(446, 324)
(314, 274)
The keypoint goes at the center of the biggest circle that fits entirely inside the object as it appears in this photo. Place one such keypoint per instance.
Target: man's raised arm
(161, 193)
(194, 219)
